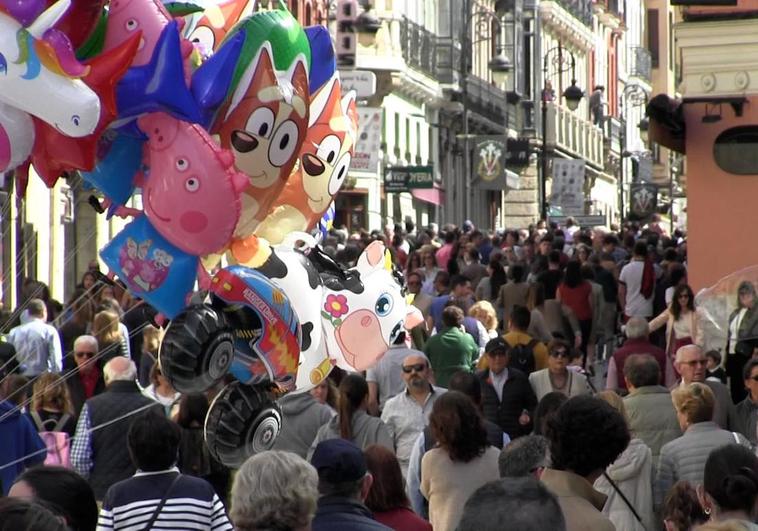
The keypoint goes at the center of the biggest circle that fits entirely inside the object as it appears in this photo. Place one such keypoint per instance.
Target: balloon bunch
(225, 126)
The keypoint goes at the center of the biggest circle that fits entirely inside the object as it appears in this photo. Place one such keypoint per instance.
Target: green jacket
(450, 351)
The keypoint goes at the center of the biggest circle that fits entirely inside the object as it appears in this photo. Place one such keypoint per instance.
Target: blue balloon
(211, 82)
(158, 85)
(151, 267)
(114, 174)
(323, 58)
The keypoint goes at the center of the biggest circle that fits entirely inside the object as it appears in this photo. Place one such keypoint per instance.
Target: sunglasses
(82, 354)
(418, 367)
(560, 354)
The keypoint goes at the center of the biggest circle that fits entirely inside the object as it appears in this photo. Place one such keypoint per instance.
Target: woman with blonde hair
(627, 480)
(151, 344)
(685, 457)
(52, 408)
(109, 337)
(484, 312)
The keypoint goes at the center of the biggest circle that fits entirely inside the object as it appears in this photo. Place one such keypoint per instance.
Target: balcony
(447, 60)
(640, 63)
(418, 47)
(574, 135)
(581, 9)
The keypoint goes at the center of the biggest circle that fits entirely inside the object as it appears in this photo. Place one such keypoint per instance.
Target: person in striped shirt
(158, 496)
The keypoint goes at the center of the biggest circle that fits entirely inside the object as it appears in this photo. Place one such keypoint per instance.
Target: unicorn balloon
(38, 74)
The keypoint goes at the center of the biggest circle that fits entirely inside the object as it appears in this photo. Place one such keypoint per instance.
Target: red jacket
(638, 346)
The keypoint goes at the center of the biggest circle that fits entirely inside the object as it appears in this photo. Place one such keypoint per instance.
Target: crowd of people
(559, 381)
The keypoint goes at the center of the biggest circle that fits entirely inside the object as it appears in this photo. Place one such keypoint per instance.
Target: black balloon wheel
(242, 420)
(197, 349)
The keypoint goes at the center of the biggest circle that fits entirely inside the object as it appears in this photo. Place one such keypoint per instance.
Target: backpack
(522, 357)
(58, 442)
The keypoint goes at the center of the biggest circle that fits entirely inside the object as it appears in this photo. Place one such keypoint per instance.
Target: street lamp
(500, 66)
(563, 61)
(633, 95)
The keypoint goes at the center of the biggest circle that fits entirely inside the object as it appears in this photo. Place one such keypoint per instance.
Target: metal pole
(621, 166)
(671, 192)
(543, 172)
(465, 50)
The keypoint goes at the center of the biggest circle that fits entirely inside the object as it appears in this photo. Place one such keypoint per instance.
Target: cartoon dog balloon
(324, 162)
(264, 126)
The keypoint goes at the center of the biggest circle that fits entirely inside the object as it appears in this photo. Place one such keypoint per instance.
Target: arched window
(736, 150)
(308, 14)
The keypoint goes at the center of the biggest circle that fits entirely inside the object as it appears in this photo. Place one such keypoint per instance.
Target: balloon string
(89, 432)
(73, 371)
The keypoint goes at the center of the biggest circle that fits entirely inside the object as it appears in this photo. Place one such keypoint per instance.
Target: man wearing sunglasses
(691, 363)
(407, 413)
(747, 410)
(88, 380)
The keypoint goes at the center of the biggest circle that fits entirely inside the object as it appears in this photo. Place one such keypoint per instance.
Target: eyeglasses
(418, 367)
(499, 352)
(695, 363)
(560, 354)
(82, 354)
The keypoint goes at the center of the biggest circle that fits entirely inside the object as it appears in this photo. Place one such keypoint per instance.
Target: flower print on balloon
(334, 308)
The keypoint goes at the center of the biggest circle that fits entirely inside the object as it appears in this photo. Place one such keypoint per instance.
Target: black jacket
(517, 397)
(110, 455)
(76, 390)
(337, 513)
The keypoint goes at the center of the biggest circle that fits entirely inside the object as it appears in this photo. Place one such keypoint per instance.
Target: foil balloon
(120, 160)
(25, 11)
(158, 85)
(38, 79)
(207, 30)
(16, 137)
(323, 58)
(80, 20)
(720, 305)
(54, 152)
(127, 17)
(361, 324)
(264, 126)
(190, 193)
(324, 162)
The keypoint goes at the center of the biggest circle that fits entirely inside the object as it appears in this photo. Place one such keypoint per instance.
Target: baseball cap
(497, 343)
(339, 461)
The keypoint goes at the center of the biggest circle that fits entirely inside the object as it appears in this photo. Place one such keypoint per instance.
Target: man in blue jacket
(21, 446)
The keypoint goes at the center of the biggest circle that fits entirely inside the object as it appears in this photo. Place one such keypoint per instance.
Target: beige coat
(667, 318)
(580, 502)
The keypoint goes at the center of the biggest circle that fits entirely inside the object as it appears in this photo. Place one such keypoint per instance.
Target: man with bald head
(690, 363)
(407, 413)
(99, 451)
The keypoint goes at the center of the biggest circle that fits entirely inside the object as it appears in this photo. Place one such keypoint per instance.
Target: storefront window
(736, 150)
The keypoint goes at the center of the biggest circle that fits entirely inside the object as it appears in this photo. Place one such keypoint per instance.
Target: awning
(667, 126)
(435, 196)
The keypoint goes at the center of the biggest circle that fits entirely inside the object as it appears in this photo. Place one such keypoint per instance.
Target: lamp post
(483, 21)
(563, 61)
(636, 96)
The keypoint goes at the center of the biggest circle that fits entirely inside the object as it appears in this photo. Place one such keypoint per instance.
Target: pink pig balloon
(191, 193)
(127, 17)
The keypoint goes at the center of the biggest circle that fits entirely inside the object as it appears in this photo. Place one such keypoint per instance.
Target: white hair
(274, 490)
(126, 373)
(681, 351)
(86, 340)
(636, 327)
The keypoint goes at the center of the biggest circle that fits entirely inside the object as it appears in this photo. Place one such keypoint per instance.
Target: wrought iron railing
(640, 64)
(581, 9)
(418, 47)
